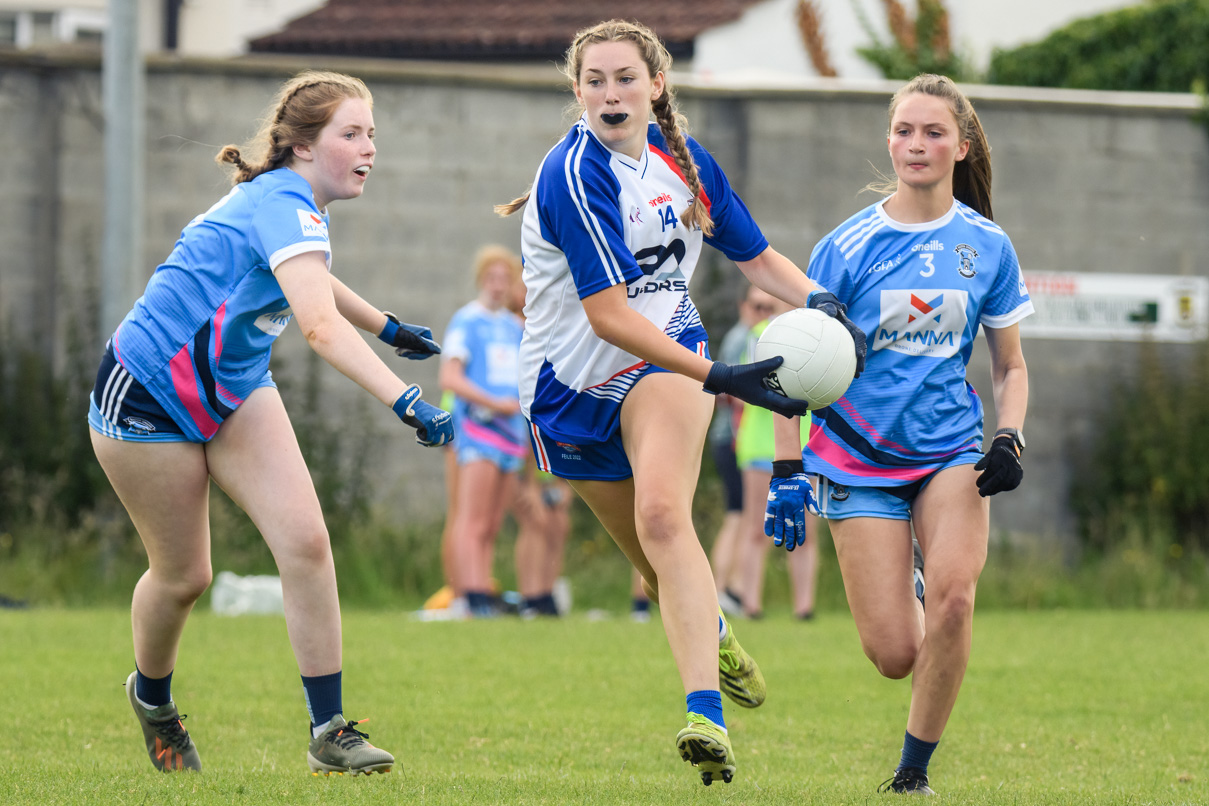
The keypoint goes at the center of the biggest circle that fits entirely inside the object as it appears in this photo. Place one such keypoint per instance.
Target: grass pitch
(1057, 708)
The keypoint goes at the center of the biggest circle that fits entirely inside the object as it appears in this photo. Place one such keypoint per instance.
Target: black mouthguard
(615, 118)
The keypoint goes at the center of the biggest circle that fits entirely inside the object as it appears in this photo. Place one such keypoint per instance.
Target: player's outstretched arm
(305, 282)
(411, 341)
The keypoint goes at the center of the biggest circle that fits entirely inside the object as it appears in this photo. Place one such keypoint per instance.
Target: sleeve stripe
(576, 188)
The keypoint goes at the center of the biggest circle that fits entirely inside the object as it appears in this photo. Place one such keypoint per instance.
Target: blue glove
(433, 426)
(749, 383)
(827, 302)
(790, 497)
(412, 341)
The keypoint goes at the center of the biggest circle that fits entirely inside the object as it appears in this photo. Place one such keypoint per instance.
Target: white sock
(318, 730)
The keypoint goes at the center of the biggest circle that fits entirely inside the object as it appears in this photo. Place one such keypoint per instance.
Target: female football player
(184, 395)
(614, 357)
(920, 271)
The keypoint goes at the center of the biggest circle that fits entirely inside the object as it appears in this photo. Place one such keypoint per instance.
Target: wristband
(391, 328)
(785, 468)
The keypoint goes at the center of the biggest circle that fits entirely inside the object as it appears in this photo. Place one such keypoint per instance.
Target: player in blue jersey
(614, 355)
(479, 368)
(920, 272)
(184, 396)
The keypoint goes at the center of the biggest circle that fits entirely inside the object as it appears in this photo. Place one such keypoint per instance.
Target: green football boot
(168, 743)
(342, 748)
(738, 673)
(707, 747)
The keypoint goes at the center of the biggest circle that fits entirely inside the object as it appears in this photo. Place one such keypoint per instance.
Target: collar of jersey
(923, 226)
(638, 165)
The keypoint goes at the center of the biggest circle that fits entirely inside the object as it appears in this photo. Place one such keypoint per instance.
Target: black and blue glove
(749, 383)
(1000, 466)
(411, 341)
(829, 304)
(433, 426)
(790, 497)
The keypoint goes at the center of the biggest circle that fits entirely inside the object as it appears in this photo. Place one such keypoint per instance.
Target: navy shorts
(121, 408)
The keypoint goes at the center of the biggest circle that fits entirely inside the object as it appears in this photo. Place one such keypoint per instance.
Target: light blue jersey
(199, 337)
(598, 218)
(919, 292)
(486, 342)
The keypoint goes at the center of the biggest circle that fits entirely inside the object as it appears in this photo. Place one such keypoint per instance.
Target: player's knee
(950, 611)
(188, 586)
(658, 519)
(894, 661)
(311, 546)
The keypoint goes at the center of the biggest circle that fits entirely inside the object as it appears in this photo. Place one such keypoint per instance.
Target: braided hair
(303, 106)
(671, 122)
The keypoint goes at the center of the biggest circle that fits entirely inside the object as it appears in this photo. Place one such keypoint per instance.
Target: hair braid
(671, 123)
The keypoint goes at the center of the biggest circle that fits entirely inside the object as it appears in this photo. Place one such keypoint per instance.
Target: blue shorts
(597, 461)
(839, 501)
(121, 408)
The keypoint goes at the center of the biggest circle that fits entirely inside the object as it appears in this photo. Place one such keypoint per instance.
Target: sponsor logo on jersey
(636, 215)
(661, 265)
(966, 254)
(275, 322)
(931, 246)
(927, 322)
(662, 198)
(312, 225)
(138, 425)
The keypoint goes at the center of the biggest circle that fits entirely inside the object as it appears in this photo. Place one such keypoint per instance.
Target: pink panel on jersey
(185, 383)
(836, 456)
(488, 437)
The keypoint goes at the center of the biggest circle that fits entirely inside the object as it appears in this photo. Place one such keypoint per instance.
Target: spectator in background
(724, 554)
(479, 367)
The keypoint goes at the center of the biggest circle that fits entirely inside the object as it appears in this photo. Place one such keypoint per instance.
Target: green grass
(1059, 707)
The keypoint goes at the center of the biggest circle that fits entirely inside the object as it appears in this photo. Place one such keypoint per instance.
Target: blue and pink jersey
(486, 343)
(920, 293)
(199, 337)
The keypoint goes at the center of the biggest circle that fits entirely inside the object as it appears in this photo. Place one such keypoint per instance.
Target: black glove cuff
(715, 381)
(786, 468)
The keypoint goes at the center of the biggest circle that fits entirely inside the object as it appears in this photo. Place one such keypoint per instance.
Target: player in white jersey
(184, 396)
(614, 355)
(920, 272)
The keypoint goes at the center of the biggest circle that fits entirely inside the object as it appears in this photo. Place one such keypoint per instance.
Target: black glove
(1000, 466)
(411, 341)
(827, 302)
(749, 383)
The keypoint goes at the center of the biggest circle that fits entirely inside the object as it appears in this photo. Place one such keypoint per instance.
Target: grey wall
(1083, 181)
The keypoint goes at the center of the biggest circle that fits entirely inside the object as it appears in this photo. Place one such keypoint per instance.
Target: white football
(820, 356)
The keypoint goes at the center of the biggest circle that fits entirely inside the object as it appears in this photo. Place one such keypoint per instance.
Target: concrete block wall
(1096, 182)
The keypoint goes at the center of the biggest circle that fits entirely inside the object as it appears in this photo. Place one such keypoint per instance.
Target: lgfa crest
(966, 255)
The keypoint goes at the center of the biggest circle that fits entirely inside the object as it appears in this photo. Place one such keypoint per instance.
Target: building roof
(495, 30)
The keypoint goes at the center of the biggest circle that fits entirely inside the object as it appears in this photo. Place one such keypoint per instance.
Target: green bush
(1148, 472)
(1159, 46)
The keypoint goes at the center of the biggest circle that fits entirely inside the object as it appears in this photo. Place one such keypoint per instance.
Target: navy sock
(480, 601)
(323, 697)
(152, 693)
(708, 704)
(640, 605)
(916, 752)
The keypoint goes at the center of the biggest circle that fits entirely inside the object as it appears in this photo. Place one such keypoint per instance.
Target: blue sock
(916, 752)
(708, 704)
(152, 693)
(323, 697)
(640, 605)
(721, 629)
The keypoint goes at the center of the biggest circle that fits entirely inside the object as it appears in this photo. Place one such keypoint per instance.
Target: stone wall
(1097, 182)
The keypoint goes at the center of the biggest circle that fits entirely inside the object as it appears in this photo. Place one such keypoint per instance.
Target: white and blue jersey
(597, 218)
(199, 337)
(920, 293)
(486, 342)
